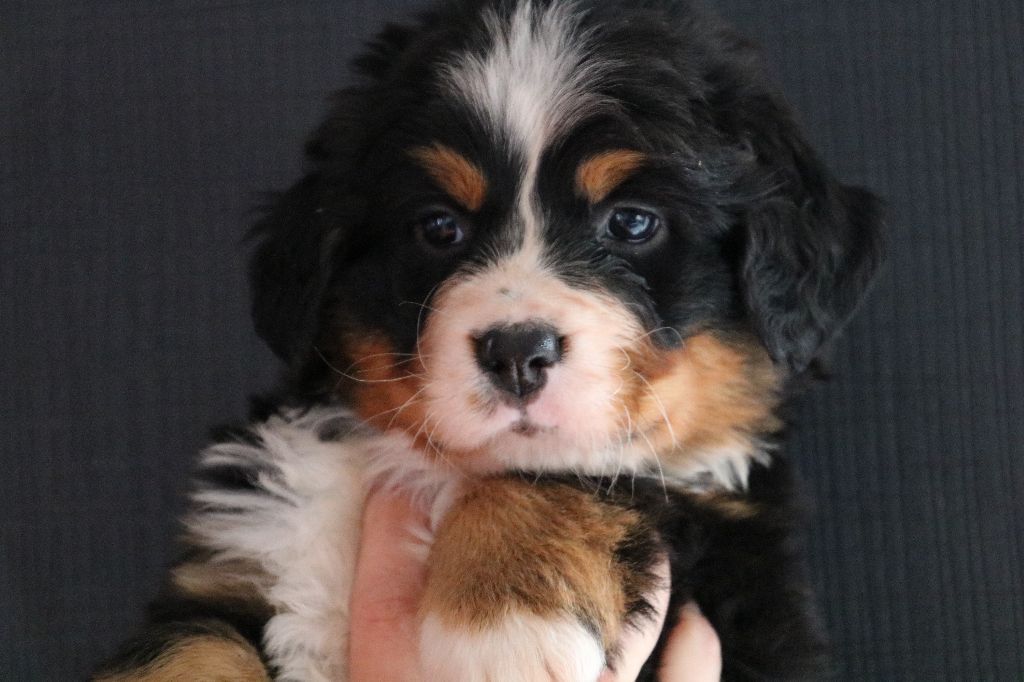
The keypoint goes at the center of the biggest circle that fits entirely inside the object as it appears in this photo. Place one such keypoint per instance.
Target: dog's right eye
(440, 230)
(633, 225)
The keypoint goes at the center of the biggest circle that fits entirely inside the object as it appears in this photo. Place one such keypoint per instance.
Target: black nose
(516, 358)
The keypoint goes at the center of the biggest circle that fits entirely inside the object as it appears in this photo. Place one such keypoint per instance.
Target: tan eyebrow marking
(458, 176)
(600, 174)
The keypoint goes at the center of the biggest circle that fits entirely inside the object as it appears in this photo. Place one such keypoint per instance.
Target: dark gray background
(136, 136)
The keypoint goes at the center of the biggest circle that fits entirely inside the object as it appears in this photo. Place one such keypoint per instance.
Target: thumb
(694, 652)
(389, 579)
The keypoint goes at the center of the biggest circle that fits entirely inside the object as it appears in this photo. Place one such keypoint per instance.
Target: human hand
(390, 576)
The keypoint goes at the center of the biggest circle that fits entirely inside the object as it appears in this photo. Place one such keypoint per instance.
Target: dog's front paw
(520, 648)
(531, 582)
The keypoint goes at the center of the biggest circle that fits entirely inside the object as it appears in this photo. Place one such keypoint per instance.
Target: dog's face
(554, 236)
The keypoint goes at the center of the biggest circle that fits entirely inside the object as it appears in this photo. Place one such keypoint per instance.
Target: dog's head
(553, 235)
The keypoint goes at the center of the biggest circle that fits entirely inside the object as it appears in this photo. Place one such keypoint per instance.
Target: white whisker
(661, 408)
(656, 331)
(400, 408)
(345, 375)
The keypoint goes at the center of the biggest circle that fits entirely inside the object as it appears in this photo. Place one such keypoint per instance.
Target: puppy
(553, 270)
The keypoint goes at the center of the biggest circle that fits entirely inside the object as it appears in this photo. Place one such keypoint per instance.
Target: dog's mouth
(527, 428)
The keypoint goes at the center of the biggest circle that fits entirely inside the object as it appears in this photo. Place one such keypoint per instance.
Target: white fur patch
(531, 86)
(535, 81)
(524, 648)
(302, 526)
(578, 415)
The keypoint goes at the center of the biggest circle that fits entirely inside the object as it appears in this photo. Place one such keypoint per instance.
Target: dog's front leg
(532, 581)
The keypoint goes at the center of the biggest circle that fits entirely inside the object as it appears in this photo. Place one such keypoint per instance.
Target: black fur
(746, 574)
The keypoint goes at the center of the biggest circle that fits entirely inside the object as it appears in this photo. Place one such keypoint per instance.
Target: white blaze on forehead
(532, 83)
(534, 80)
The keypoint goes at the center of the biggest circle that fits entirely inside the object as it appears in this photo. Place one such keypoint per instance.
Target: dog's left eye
(440, 230)
(633, 225)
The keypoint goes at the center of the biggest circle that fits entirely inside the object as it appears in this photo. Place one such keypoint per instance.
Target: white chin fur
(523, 648)
(577, 410)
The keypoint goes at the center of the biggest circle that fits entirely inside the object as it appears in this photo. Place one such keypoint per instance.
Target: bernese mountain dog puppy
(553, 270)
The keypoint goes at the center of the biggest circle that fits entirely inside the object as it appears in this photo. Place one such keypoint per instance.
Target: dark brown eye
(440, 230)
(633, 225)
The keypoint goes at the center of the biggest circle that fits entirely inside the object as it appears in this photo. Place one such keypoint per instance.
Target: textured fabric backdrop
(135, 137)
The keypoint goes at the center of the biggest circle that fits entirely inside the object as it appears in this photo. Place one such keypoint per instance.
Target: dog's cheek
(386, 386)
(455, 392)
(583, 396)
(578, 402)
(705, 397)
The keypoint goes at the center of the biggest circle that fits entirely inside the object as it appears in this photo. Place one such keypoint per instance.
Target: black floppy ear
(812, 245)
(290, 270)
(303, 238)
(307, 234)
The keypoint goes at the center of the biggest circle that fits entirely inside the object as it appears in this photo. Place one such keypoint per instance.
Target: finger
(388, 581)
(637, 643)
(693, 652)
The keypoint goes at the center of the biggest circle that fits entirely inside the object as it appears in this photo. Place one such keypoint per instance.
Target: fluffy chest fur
(277, 515)
(278, 512)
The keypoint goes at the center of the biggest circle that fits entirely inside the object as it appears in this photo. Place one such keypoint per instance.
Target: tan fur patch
(707, 395)
(458, 176)
(207, 658)
(729, 505)
(386, 386)
(387, 392)
(599, 175)
(510, 546)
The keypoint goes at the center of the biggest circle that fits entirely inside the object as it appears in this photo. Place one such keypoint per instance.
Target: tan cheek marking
(599, 175)
(510, 546)
(708, 394)
(385, 385)
(215, 659)
(456, 175)
(387, 391)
